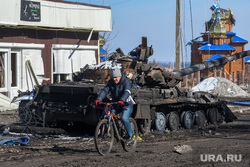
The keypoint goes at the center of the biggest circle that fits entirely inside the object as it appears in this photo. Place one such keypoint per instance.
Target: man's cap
(116, 72)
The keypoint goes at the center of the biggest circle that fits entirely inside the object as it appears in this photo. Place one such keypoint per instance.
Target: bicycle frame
(111, 118)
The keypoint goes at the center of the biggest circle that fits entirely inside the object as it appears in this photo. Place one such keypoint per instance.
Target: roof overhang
(55, 15)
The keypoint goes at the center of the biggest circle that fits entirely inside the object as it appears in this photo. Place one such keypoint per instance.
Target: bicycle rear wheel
(131, 146)
(104, 137)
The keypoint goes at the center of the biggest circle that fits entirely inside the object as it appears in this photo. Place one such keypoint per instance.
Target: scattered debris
(6, 130)
(15, 141)
(181, 149)
(66, 137)
(245, 103)
(5, 103)
(19, 129)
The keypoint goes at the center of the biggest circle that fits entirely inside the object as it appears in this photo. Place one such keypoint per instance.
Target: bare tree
(108, 37)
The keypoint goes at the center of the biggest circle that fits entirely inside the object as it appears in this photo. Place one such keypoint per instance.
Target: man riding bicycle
(120, 88)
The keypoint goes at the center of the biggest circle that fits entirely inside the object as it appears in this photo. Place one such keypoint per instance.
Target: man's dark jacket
(120, 91)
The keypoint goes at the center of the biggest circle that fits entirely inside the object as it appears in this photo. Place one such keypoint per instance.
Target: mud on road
(226, 142)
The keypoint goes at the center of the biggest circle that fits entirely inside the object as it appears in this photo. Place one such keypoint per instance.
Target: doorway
(3, 62)
(14, 73)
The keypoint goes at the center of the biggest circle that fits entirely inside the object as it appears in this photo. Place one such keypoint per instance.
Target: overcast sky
(133, 19)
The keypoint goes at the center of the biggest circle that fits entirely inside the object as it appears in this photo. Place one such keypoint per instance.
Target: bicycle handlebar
(113, 103)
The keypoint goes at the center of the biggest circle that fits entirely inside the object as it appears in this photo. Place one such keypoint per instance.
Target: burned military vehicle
(159, 101)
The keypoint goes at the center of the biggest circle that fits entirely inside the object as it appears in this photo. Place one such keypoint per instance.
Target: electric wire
(119, 3)
(191, 16)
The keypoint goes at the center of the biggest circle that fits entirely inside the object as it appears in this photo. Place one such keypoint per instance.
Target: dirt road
(225, 145)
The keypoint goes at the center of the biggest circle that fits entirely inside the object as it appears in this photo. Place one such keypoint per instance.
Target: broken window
(2, 70)
(67, 61)
(14, 69)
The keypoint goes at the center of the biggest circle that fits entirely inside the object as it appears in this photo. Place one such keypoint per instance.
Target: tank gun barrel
(211, 64)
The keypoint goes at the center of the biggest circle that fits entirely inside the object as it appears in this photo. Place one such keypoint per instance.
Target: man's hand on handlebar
(97, 102)
(120, 103)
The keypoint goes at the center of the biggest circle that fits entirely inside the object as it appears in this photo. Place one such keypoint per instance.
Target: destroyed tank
(160, 103)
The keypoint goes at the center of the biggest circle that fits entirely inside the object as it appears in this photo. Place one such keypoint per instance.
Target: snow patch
(104, 65)
(220, 87)
(206, 85)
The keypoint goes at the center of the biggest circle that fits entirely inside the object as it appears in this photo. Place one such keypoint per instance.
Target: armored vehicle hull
(160, 104)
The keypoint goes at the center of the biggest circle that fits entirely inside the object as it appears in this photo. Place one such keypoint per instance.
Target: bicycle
(111, 127)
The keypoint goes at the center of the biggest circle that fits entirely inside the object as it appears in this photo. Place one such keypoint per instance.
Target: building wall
(66, 40)
(238, 65)
(225, 68)
(54, 35)
(195, 58)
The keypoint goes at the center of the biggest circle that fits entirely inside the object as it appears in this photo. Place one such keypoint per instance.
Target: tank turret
(143, 74)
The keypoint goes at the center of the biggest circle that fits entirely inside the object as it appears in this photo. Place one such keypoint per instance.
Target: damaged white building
(57, 37)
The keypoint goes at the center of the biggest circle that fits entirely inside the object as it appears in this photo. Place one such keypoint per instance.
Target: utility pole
(178, 36)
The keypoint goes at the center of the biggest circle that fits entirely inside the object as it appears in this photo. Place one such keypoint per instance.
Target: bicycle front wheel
(104, 137)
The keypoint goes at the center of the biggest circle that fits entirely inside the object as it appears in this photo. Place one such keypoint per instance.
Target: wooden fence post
(238, 78)
(198, 77)
(192, 80)
(220, 73)
(233, 76)
(242, 77)
(186, 81)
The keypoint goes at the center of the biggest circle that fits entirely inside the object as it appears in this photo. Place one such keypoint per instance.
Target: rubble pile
(220, 87)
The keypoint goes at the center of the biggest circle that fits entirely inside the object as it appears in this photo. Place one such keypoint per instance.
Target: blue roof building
(218, 41)
(237, 39)
(223, 46)
(216, 56)
(103, 54)
(102, 50)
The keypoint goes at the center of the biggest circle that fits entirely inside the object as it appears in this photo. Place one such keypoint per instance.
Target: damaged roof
(223, 46)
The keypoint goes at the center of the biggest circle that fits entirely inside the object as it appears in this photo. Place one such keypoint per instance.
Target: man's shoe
(130, 140)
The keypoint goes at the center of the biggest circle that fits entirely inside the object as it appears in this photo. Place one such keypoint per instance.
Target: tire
(173, 121)
(160, 121)
(131, 146)
(104, 137)
(24, 112)
(200, 118)
(145, 125)
(213, 115)
(28, 114)
(188, 120)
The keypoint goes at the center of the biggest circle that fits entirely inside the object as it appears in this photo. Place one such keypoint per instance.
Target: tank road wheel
(188, 120)
(200, 118)
(160, 121)
(212, 115)
(144, 125)
(173, 121)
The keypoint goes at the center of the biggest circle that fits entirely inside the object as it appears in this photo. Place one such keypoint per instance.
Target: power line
(119, 3)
